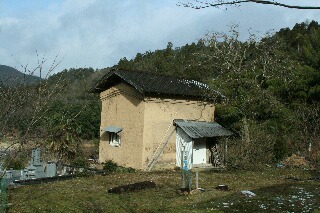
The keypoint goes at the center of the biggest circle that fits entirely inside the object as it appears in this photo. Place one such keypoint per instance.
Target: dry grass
(89, 194)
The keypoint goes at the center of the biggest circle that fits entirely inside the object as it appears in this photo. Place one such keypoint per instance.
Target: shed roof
(150, 83)
(201, 129)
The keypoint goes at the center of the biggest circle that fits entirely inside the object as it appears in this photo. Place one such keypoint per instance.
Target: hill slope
(10, 76)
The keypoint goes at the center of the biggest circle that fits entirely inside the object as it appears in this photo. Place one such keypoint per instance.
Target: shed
(146, 116)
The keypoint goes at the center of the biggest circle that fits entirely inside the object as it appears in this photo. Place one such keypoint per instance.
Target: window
(114, 133)
(114, 139)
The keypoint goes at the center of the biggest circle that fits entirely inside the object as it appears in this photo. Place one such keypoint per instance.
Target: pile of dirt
(296, 161)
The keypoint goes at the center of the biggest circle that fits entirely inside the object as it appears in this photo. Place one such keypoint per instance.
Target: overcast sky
(97, 33)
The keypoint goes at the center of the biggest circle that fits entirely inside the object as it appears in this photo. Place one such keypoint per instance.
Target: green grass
(274, 193)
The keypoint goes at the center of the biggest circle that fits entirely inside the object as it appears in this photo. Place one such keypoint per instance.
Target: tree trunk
(246, 136)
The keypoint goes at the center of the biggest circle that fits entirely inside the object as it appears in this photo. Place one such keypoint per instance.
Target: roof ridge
(137, 87)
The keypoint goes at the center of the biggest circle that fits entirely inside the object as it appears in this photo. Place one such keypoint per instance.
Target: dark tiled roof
(151, 84)
(201, 129)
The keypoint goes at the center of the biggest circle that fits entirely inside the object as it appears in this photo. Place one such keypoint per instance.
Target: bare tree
(218, 3)
(241, 70)
(27, 105)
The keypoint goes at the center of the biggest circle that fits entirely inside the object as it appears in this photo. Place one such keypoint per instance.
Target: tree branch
(219, 3)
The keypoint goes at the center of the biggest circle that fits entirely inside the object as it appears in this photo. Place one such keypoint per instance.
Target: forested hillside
(10, 76)
(56, 114)
(271, 85)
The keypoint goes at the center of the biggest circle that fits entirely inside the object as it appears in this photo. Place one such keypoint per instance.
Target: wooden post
(225, 152)
(197, 180)
(189, 181)
(182, 172)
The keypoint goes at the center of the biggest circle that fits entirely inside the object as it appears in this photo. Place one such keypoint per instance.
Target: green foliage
(269, 82)
(26, 109)
(79, 161)
(16, 161)
(63, 134)
(84, 114)
(110, 166)
(228, 116)
(280, 150)
(114, 167)
(303, 42)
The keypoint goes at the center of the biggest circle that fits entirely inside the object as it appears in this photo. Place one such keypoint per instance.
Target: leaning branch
(203, 5)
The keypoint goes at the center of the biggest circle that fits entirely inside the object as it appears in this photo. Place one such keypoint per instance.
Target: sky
(98, 33)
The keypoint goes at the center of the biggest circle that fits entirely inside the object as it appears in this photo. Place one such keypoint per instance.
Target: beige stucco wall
(159, 114)
(146, 122)
(122, 106)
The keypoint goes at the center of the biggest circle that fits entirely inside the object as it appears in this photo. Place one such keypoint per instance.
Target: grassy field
(275, 189)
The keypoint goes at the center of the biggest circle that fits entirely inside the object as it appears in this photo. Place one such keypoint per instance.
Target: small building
(149, 119)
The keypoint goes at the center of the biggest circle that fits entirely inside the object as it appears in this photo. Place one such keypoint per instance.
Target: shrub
(110, 166)
(280, 150)
(18, 162)
(79, 162)
(114, 167)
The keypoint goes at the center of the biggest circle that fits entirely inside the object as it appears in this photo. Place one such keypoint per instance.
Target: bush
(110, 166)
(79, 162)
(18, 162)
(280, 150)
(114, 167)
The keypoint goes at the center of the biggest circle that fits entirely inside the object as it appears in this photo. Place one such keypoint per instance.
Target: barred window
(114, 139)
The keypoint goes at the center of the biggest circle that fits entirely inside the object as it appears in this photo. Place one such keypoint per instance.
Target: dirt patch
(133, 187)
